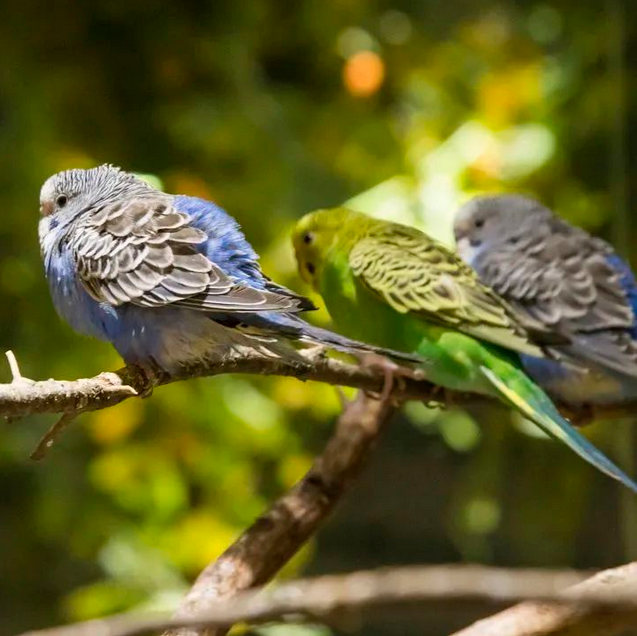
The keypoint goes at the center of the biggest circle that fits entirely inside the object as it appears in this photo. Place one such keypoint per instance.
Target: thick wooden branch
(542, 619)
(273, 539)
(26, 397)
(326, 599)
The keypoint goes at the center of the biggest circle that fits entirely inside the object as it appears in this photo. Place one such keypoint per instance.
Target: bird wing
(144, 251)
(566, 280)
(414, 274)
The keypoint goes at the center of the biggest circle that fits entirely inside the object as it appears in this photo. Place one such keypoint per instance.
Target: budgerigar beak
(460, 230)
(46, 208)
(463, 246)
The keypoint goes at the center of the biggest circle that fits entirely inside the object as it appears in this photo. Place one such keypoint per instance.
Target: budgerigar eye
(310, 268)
(478, 223)
(308, 237)
(61, 200)
(514, 239)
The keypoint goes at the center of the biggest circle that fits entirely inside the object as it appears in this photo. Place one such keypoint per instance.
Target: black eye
(514, 239)
(61, 200)
(310, 268)
(479, 223)
(308, 237)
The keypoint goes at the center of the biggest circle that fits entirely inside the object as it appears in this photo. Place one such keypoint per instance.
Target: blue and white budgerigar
(575, 285)
(170, 281)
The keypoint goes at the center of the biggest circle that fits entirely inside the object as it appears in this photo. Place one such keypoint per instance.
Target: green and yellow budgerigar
(393, 286)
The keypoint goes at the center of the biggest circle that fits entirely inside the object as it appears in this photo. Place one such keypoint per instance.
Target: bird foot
(578, 416)
(394, 375)
(152, 375)
(440, 397)
(316, 352)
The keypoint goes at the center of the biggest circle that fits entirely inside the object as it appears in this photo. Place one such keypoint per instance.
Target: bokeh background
(406, 107)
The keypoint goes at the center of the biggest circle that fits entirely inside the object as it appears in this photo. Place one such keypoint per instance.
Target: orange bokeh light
(363, 73)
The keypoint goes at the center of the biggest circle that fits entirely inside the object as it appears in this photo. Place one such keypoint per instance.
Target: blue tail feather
(538, 408)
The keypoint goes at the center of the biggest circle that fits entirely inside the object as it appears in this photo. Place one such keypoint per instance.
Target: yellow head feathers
(318, 232)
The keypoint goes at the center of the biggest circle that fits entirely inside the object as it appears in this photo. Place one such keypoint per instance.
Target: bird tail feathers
(310, 333)
(536, 406)
(296, 328)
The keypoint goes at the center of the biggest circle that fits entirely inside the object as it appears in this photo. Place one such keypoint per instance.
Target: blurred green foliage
(405, 108)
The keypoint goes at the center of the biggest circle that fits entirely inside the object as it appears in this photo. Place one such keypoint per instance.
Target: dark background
(271, 109)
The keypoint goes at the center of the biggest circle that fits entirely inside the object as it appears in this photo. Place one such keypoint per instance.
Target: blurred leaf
(115, 424)
(100, 599)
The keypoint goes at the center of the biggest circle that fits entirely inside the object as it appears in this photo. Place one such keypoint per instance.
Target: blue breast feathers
(71, 300)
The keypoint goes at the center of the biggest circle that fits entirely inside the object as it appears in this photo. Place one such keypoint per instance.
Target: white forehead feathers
(105, 180)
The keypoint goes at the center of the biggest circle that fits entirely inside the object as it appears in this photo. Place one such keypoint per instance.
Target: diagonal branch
(273, 539)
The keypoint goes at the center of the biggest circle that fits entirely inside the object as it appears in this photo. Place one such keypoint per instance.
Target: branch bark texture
(543, 619)
(609, 596)
(266, 546)
(26, 397)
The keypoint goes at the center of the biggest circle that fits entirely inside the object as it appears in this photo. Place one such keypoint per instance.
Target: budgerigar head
(317, 232)
(67, 194)
(496, 222)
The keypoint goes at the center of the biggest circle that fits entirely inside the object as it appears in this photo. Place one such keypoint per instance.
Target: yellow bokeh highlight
(114, 470)
(503, 96)
(198, 539)
(293, 468)
(116, 424)
(320, 399)
(98, 599)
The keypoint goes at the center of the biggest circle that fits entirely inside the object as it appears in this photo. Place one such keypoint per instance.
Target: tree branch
(273, 539)
(27, 397)
(541, 619)
(610, 595)
(266, 546)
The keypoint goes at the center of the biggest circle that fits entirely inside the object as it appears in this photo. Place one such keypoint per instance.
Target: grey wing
(560, 277)
(144, 252)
